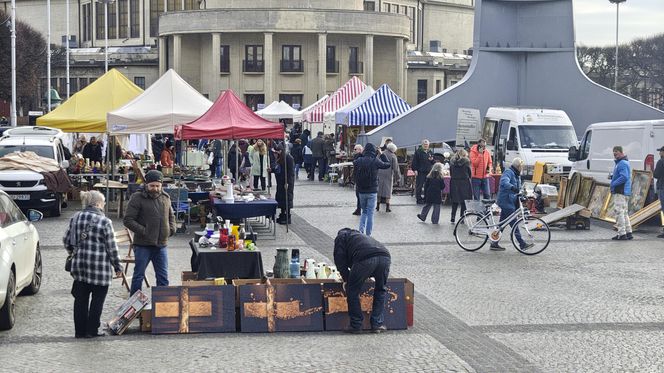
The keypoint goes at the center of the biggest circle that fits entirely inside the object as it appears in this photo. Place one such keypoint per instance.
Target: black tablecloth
(198, 196)
(243, 210)
(227, 264)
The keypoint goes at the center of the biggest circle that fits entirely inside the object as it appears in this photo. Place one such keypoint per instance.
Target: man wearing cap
(621, 189)
(151, 218)
(659, 175)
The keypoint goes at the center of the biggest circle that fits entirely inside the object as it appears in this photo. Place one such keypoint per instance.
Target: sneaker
(497, 247)
(421, 217)
(452, 221)
(661, 235)
(351, 330)
(527, 246)
(378, 329)
(620, 237)
(357, 212)
(629, 236)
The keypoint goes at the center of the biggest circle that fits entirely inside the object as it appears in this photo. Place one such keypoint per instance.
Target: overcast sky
(595, 21)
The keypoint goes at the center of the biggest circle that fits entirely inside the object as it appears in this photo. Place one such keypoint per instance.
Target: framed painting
(598, 197)
(573, 186)
(607, 213)
(583, 196)
(561, 193)
(641, 181)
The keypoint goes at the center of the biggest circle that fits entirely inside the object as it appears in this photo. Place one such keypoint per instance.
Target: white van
(639, 139)
(531, 134)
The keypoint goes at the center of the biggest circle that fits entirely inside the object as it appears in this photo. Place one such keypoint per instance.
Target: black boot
(387, 207)
(377, 206)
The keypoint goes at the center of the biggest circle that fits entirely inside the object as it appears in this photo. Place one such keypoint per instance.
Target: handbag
(69, 259)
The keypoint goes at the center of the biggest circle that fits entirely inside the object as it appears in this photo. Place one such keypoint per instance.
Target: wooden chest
(200, 309)
(396, 310)
(280, 305)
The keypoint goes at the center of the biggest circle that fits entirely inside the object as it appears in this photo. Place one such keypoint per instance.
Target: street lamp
(617, 2)
(106, 3)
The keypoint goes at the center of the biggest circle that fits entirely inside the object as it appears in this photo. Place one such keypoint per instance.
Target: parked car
(25, 186)
(20, 258)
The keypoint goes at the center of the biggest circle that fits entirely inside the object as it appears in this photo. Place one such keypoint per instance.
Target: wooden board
(201, 309)
(562, 214)
(645, 213)
(336, 306)
(280, 307)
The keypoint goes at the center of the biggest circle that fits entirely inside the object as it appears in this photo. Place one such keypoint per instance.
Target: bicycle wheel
(535, 232)
(470, 231)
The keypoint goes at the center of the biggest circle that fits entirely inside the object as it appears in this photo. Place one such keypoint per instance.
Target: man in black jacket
(365, 174)
(357, 258)
(422, 163)
(357, 153)
(659, 175)
(318, 152)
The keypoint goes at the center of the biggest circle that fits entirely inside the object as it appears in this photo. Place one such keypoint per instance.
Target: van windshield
(547, 137)
(42, 151)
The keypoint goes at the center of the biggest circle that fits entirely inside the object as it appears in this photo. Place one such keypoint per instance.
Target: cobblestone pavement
(585, 304)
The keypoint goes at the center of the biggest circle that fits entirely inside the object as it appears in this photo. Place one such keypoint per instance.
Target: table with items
(214, 262)
(264, 210)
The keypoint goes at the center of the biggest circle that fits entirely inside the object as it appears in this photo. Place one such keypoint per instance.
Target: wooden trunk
(396, 313)
(281, 305)
(201, 309)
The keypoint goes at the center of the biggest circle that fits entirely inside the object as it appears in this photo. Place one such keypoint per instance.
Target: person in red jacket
(480, 166)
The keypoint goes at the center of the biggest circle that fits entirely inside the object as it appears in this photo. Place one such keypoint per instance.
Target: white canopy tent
(167, 102)
(299, 117)
(277, 110)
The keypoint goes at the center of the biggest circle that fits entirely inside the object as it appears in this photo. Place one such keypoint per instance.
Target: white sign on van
(468, 126)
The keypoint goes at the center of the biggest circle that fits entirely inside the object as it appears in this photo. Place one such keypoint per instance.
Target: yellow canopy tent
(86, 110)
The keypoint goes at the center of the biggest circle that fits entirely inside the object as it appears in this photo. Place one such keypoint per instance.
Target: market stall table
(243, 210)
(214, 263)
(114, 186)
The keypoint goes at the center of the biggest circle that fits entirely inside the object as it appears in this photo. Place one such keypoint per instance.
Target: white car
(20, 258)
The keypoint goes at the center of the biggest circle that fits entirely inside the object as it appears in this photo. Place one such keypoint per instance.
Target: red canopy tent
(229, 119)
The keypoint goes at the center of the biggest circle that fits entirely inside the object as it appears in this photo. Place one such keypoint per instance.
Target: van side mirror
(64, 164)
(573, 154)
(510, 145)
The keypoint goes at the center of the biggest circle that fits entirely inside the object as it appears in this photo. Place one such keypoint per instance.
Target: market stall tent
(86, 110)
(340, 116)
(381, 107)
(339, 98)
(277, 110)
(230, 119)
(167, 102)
(299, 117)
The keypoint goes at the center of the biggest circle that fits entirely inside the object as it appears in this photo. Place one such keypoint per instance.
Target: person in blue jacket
(508, 194)
(621, 188)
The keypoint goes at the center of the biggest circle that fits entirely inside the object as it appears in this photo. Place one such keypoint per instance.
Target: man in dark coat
(365, 170)
(357, 153)
(92, 150)
(232, 160)
(357, 258)
(217, 163)
(659, 175)
(422, 163)
(284, 172)
(318, 152)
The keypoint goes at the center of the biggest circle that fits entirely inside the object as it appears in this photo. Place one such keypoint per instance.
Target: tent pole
(286, 183)
(108, 173)
(237, 163)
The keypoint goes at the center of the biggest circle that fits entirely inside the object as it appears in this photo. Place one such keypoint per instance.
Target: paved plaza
(586, 304)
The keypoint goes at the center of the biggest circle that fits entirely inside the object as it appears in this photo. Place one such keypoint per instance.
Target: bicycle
(475, 228)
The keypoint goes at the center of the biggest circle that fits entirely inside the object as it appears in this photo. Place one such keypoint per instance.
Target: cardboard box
(189, 276)
(200, 309)
(127, 312)
(280, 305)
(395, 316)
(554, 168)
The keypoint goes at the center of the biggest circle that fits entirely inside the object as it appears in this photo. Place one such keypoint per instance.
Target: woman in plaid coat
(91, 240)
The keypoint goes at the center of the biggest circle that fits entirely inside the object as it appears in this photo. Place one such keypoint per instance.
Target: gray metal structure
(524, 55)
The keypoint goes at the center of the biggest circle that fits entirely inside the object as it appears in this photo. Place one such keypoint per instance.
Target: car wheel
(34, 286)
(57, 208)
(7, 312)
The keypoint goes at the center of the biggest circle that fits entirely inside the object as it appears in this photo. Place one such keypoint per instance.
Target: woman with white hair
(387, 176)
(90, 242)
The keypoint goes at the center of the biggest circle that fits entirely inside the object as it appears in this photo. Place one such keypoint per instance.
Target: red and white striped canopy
(341, 97)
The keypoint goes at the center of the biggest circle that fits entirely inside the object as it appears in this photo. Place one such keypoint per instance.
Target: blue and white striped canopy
(381, 107)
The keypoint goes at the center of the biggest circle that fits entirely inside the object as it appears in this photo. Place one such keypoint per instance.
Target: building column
(322, 65)
(267, 57)
(216, 66)
(177, 53)
(163, 55)
(400, 66)
(368, 60)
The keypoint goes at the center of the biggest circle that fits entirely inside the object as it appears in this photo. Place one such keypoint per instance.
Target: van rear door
(631, 138)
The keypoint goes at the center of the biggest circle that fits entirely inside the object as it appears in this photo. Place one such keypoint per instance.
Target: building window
(73, 86)
(386, 7)
(370, 6)
(135, 18)
(292, 100)
(253, 100)
(123, 17)
(191, 5)
(395, 8)
(413, 24)
(156, 8)
(140, 81)
(174, 5)
(112, 21)
(331, 63)
(83, 82)
(62, 87)
(99, 16)
(437, 85)
(421, 90)
(291, 58)
(87, 22)
(354, 65)
(225, 59)
(253, 59)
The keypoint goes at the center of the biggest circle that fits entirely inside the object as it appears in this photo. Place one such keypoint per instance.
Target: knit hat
(154, 175)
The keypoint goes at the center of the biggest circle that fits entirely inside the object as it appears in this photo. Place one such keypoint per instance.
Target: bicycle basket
(475, 206)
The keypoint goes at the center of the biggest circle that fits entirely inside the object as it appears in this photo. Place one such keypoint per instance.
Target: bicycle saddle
(488, 202)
